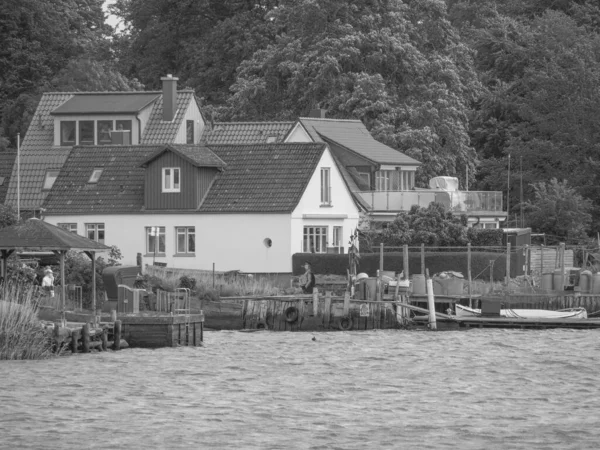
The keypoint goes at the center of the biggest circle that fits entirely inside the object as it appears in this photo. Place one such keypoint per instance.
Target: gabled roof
(353, 135)
(262, 178)
(7, 160)
(120, 188)
(106, 103)
(157, 130)
(246, 132)
(37, 154)
(196, 155)
(35, 234)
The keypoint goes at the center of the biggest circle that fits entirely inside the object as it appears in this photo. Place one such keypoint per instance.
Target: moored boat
(570, 313)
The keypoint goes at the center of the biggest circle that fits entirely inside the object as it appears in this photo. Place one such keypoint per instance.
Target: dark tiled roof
(268, 178)
(246, 132)
(35, 234)
(7, 160)
(37, 154)
(353, 135)
(196, 155)
(107, 103)
(120, 188)
(158, 131)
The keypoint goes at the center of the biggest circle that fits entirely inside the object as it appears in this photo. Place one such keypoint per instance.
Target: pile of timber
(86, 337)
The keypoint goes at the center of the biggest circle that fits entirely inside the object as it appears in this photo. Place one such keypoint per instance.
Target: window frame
(325, 186)
(186, 232)
(95, 176)
(104, 123)
(68, 226)
(96, 228)
(338, 236)
(47, 177)
(63, 124)
(162, 239)
(313, 241)
(80, 124)
(172, 171)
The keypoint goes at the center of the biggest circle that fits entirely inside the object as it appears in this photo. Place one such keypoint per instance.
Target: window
(337, 237)
(124, 125)
(189, 131)
(325, 187)
(72, 227)
(51, 176)
(95, 176)
(95, 232)
(104, 131)
(366, 177)
(315, 240)
(186, 239)
(86, 132)
(67, 132)
(170, 179)
(154, 234)
(394, 180)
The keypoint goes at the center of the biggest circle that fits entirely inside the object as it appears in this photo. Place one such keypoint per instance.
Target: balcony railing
(457, 201)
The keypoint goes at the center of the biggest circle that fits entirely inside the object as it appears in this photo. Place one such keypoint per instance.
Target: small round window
(268, 242)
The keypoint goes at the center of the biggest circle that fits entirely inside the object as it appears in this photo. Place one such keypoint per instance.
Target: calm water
(476, 389)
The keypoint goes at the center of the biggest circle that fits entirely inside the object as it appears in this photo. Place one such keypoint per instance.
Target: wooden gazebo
(35, 235)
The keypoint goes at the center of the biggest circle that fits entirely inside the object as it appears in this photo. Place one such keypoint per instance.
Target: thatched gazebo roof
(37, 235)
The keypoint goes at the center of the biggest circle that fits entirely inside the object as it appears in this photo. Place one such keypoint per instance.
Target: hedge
(435, 262)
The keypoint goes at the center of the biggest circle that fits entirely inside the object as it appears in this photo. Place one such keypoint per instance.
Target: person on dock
(307, 279)
(48, 282)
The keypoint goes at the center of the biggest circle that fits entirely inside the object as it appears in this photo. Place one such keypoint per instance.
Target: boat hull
(570, 313)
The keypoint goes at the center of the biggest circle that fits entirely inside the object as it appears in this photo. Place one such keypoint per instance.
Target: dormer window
(51, 176)
(104, 132)
(170, 179)
(271, 139)
(95, 176)
(86, 132)
(67, 132)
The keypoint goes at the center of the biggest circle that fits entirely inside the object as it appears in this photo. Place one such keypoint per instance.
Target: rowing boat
(570, 313)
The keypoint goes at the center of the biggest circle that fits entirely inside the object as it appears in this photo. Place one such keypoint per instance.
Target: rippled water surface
(475, 389)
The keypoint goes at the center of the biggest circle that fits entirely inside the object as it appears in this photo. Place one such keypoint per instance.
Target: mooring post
(508, 265)
(469, 275)
(113, 315)
(117, 335)
(491, 275)
(423, 259)
(75, 334)
(346, 304)
(431, 304)
(104, 339)
(315, 301)
(405, 262)
(85, 338)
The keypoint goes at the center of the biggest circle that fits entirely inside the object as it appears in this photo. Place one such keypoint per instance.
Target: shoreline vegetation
(21, 333)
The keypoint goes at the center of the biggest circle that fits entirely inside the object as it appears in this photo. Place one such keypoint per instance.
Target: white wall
(299, 134)
(231, 241)
(192, 113)
(309, 212)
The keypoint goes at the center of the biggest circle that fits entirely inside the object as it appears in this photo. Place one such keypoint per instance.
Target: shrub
(187, 282)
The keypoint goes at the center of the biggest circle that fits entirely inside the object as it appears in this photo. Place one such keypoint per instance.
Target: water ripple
(473, 389)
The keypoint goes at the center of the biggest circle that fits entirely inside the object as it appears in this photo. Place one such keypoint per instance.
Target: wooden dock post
(104, 339)
(431, 305)
(346, 311)
(315, 302)
(423, 259)
(327, 309)
(379, 289)
(405, 261)
(85, 338)
(74, 341)
(562, 265)
(507, 279)
(113, 315)
(117, 335)
(469, 287)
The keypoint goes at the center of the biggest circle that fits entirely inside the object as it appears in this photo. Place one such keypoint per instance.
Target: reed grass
(21, 334)
(225, 284)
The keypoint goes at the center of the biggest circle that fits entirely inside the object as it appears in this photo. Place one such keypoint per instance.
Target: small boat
(570, 313)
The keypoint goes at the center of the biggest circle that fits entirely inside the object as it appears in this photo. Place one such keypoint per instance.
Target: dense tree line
(477, 87)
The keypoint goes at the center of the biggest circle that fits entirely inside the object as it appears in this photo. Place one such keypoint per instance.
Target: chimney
(169, 88)
(318, 113)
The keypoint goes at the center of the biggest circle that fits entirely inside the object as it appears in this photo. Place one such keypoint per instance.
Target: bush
(187, 282)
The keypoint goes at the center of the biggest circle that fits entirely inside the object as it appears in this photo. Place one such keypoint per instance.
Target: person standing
(307, 279)
(48, 282)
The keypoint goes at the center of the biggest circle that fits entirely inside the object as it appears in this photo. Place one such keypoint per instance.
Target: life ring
(345, 323)
(291, 314)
